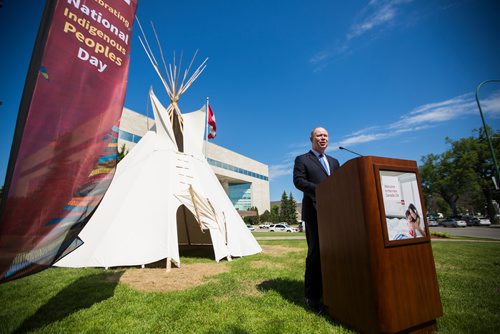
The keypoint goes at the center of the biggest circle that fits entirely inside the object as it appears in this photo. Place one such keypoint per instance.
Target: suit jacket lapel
(331, 162)
(316, 161)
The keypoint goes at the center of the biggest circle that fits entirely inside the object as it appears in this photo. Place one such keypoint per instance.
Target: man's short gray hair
(318, 127)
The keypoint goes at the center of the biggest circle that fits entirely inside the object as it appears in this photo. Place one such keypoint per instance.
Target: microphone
(343, 148)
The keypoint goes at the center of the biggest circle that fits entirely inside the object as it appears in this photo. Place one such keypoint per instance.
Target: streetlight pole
(486, 129)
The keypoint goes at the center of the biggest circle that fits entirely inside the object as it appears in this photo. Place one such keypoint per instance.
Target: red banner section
(67, 152)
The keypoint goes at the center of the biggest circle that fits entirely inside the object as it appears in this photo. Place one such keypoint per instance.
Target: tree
(257, 217)
(293, 209)
(288, 213)
(464, 171)
(284, 207)
(449, 174)
(266, 216)
(275, 214)
(485, 169)
(252, 220)
(122, 152)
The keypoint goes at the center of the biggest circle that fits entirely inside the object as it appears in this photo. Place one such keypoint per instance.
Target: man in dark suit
(309, 170)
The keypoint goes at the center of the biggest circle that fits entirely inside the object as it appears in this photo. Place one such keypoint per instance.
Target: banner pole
(206, 127)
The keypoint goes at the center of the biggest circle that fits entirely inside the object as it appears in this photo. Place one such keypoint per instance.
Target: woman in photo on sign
(413, 221)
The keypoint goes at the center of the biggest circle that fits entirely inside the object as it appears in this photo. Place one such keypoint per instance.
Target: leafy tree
(449, 174)
(257, 217)
(252, 220)
(485, 169)
(266, 216)
(462, 173)
(122, 152)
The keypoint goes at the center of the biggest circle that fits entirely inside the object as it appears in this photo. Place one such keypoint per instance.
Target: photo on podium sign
(400, 200)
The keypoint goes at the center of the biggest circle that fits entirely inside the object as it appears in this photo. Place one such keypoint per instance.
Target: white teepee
(163, 194)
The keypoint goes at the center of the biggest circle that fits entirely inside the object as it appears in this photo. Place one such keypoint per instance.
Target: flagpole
(206, 128)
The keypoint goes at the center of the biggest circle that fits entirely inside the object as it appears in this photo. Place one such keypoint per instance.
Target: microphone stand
(343, 148)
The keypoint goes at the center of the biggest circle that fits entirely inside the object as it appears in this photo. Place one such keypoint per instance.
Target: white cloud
(420, 118)
(276, 171)
(427, 116)
(359, 139)
(448, 110)
(380, 16)
(377, 15)
(491, 106)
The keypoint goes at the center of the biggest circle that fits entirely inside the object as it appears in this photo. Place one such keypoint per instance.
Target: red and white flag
(211, 123)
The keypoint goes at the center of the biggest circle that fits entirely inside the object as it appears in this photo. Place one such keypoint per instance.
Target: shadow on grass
(81, 294)
(291, 290)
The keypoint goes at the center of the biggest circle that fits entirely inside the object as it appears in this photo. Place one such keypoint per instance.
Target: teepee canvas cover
(160, 198)
(163, 193)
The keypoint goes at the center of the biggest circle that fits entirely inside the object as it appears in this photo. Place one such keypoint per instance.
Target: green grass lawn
(257, 294)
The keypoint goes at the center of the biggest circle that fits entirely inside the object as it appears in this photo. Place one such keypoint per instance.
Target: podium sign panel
(400, 200)
(376, 258)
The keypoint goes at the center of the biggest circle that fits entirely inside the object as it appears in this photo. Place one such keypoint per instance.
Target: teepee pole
(148, 50)
(159, 47)
(196, 210)
(169, 264)
(186, 72)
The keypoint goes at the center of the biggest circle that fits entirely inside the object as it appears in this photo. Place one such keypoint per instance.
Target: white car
(481, 221)
(250, 227)
(281, 228)
(432, 222)
(453, 222)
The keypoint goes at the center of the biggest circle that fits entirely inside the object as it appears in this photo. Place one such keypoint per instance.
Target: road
(470, 231)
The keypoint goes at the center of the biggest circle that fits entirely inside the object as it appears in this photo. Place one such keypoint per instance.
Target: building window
(240, 195)
(127, 136)
(236, 169)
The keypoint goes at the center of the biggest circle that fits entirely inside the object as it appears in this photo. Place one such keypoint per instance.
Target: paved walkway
(282, 238)
(433, 239)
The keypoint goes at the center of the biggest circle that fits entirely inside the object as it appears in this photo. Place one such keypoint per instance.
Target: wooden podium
(374, 279)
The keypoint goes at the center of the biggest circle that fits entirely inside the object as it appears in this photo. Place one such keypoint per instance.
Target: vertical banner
(64, 152)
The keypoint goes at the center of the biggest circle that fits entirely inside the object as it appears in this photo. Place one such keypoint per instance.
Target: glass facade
(135, 139)
(240, 195)
(236, 169)
(129, 136)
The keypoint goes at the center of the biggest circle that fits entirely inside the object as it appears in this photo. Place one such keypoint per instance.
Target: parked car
(481, 221)
(302, 226)
(432, 222)
(264, 226)
(281, 228)
(453, 222)
(250, 227)
(466, 218)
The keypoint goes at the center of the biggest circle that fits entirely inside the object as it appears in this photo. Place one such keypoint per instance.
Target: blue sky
(386, 78)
